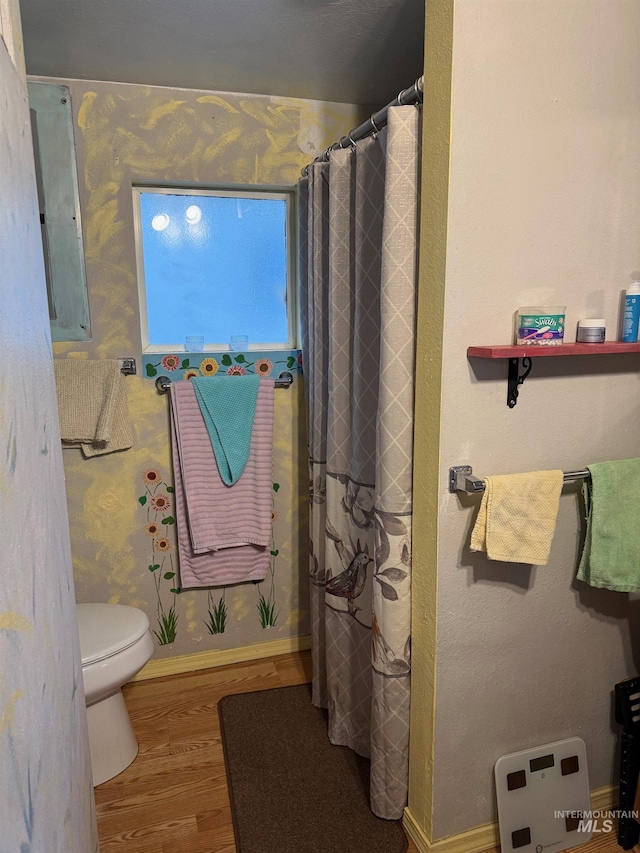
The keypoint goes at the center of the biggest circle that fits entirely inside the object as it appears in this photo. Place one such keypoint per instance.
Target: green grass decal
(217, 615)
(167, 623)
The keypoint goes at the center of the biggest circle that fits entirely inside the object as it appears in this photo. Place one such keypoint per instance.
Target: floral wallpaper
(123, 547)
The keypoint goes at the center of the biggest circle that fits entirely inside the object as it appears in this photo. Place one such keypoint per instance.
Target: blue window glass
(214, 265)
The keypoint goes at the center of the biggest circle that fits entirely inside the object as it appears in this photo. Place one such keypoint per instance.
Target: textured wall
(544, 207)
(47, 796)
(131, 134)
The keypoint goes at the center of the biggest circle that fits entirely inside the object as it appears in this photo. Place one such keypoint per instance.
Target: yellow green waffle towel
(517, 517)
(611, 554)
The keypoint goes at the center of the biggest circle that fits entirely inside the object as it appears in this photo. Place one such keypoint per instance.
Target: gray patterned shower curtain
(358, 252)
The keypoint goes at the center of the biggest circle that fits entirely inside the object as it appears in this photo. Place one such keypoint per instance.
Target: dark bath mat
(291, 790)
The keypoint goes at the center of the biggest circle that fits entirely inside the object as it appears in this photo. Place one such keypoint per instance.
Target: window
(215, 263)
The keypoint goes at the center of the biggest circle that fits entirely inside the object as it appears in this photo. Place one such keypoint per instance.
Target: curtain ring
(353, 144)
(375, 129)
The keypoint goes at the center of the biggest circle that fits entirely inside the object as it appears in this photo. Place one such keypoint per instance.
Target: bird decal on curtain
(350, 583)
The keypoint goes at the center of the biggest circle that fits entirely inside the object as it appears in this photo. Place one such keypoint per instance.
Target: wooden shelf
(515, 379)
(527, 351)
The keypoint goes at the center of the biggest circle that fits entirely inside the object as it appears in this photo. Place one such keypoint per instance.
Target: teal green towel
(611, 555)
(228, 406)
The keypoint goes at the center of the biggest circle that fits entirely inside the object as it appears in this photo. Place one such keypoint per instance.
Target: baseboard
(221, 657)
(472, 840)
(487, 836)
(605, 798)
(415, 832)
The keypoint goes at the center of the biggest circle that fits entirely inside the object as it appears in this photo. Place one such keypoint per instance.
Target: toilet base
(112, 742)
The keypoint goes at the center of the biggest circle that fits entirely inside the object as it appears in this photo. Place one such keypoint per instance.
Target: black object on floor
(291, 790)
(627, 695)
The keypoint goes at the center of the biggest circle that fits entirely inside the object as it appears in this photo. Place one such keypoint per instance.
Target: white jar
(591, 331)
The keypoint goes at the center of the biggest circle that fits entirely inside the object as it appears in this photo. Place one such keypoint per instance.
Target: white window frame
(286, 194)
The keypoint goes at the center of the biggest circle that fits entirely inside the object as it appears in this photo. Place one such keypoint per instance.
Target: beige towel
(92, 405)
(517, 517)
(121, 438)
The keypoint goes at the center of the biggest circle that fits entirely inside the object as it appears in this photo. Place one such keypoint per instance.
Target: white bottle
(631, 313)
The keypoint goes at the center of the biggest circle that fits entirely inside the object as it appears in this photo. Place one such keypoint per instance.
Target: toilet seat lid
(106, 629)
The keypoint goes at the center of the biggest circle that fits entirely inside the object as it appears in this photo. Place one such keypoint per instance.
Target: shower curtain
(358, 252)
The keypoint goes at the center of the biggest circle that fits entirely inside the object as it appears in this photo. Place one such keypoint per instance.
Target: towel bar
(461, 479)
(284, 380)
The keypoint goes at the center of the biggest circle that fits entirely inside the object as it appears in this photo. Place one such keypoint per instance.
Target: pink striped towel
(224, 532)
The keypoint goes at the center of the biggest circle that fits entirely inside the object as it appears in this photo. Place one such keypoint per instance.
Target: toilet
(115, 643)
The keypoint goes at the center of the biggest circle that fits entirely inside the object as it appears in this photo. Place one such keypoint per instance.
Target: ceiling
(352, 51)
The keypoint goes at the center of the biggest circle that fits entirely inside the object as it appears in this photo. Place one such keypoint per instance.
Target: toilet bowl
(115, 643)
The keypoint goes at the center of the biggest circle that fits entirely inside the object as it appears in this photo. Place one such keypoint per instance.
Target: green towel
(611, 555)
(228, 406)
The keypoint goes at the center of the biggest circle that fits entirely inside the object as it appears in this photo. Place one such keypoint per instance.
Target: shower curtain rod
(412, 95)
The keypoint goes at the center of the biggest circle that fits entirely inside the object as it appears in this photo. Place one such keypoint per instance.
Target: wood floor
(174, 798)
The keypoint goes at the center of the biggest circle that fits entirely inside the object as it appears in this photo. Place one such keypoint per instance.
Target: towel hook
(127, 366)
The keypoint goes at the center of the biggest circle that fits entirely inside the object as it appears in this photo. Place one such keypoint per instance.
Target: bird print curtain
(358, 250)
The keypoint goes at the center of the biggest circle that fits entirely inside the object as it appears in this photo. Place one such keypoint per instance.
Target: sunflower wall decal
(157, 503)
